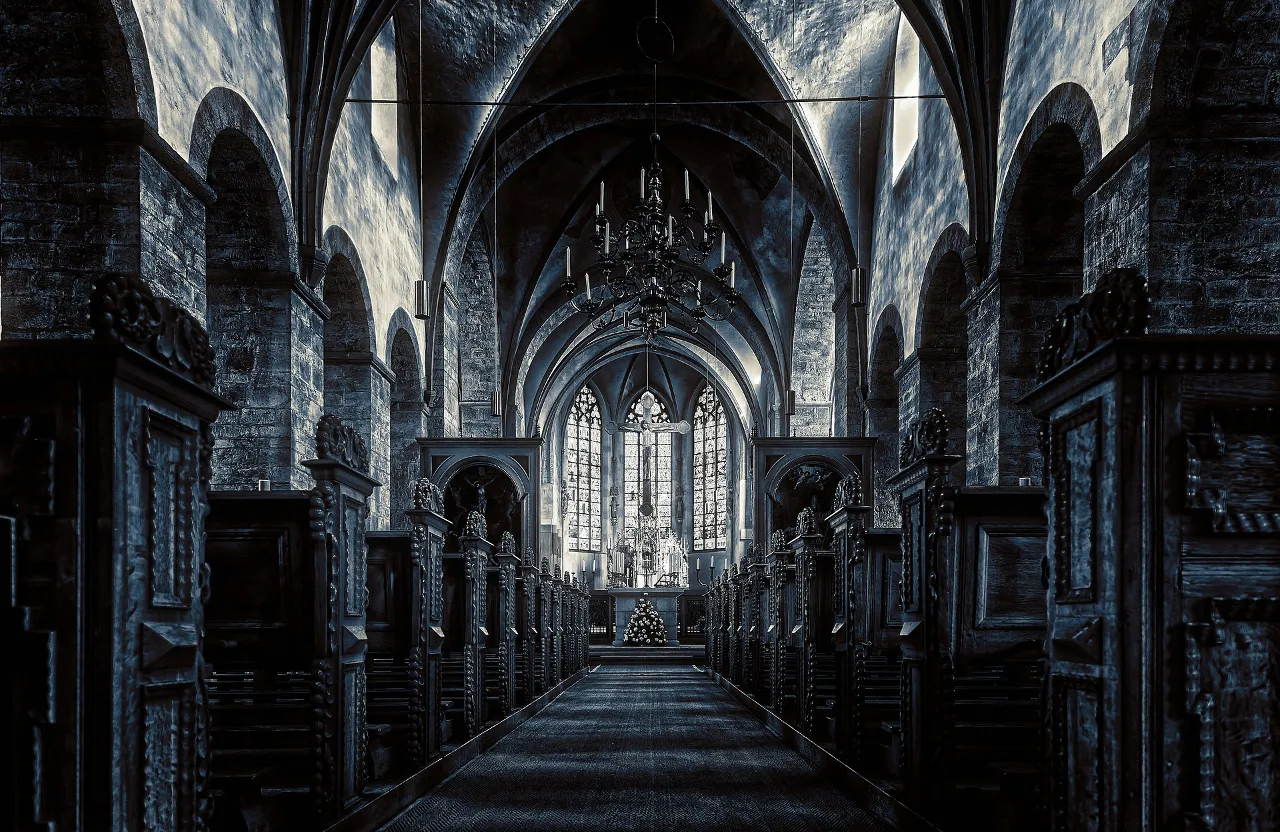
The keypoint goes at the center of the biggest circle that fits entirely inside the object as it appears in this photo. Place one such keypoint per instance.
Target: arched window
(906, 82)
(710, 474)
(631, 446)
(384, 85)
(582, 472)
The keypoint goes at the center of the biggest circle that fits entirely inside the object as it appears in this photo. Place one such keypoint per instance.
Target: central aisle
(641, 747)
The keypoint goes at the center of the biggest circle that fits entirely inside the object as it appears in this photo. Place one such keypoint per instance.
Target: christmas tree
(645, 628)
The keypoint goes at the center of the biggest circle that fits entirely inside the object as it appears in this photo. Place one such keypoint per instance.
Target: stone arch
(224, 110)
(813, 349)
(248, 285)
(406, 407)
(1067, 107)
(942, 335)
(883, 412)
(478, 339)
(1212, 76)
(1039, 269)
(357, 384)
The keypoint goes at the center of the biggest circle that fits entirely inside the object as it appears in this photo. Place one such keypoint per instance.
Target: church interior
(641, 414)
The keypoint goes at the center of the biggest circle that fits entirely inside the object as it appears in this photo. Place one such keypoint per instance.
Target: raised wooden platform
(603, 654)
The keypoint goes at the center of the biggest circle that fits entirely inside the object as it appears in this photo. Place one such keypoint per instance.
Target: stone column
(428, 527)
(475, 550)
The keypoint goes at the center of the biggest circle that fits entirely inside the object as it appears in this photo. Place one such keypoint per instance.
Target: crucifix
(649, 430)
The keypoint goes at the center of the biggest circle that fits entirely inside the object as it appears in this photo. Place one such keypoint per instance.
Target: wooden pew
(500, 644)
(463, 617)
(783, 658)
(260, 625)
(816, 681)
(997, 549)
(527, 684)
(428, 527)
(105, 443)
(288, 642)
(877, 661)
(390, 619)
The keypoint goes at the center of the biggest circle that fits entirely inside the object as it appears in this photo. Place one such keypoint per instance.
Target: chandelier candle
(686, 185)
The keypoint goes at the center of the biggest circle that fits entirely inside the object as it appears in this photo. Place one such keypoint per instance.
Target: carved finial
(566, 577)
(476, 525)
(507, 545)
(927, 436)
(123, 309)
(546, 566)
(527, 560)
(806, 523)
(779, 540)
(427, 496)
(849, 492)
(1118, 305)
(339, 441)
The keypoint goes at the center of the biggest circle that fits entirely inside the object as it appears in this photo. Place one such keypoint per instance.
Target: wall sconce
(791, 402)
(497, 403)
(421, 300)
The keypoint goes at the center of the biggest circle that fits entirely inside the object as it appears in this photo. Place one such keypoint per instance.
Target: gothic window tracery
(582, 472)
(710, 473)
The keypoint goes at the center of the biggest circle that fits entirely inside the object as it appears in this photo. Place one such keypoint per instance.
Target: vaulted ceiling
(761, 159)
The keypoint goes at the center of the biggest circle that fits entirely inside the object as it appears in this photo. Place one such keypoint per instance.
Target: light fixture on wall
(497, 403)
(791, 402)
(654, 265)
(857, 280)
(421, 300)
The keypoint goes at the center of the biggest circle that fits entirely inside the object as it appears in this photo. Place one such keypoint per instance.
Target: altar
(664, 598)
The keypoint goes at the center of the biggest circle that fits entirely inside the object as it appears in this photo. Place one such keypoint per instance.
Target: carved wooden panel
(1079, 735)
(913, 541)
(1008, 592)
(171, 451)
(1076, 449)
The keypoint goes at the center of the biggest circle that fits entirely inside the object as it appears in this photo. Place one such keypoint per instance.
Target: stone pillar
(475, 551)
(103, 494)
(850, 632)
(506, 562)
(428, 528)
(307, 317)
(925, 500)
(339, 515)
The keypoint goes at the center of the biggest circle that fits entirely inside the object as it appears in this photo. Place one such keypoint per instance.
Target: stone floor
(638, 747)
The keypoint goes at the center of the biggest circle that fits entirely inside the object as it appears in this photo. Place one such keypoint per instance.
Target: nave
(638, 747)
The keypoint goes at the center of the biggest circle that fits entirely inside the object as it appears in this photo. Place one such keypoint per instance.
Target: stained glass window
(710, 473)
(582, 472)
(661, 483)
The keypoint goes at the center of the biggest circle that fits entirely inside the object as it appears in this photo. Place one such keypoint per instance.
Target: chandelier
(654, 267)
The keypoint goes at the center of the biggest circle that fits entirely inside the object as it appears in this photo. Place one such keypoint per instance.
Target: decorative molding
(1064, 474)
(927, 436)
(848, 492)
(124, 310)
(427, 496)
(476, 525)
(340, 442)
(1119, 305)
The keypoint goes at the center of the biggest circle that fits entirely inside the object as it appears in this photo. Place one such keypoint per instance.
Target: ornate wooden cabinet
(1164, 570)
(104, 469)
